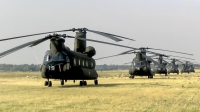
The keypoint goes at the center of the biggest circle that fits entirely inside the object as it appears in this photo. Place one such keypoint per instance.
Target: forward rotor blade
(34, 34)
(35, 42)
(111, 36)
(171, 51)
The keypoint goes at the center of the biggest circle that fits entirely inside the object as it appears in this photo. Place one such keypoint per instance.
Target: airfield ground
(115, 92)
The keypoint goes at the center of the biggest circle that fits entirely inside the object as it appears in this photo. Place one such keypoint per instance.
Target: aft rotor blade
(171, 51)
(111, 36)
(166, 61)
(181, 57)
(107, 43)
(127, 63)
(123, 53)
(34, 34)
(22, 46)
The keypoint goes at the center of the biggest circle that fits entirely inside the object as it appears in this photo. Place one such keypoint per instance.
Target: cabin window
(75, 61)
(79, 62)
(86, 63)
(83, 62)
(91, 64)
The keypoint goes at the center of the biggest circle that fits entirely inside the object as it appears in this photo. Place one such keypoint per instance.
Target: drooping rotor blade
(150, 59)
(107, 43)
(123, 53)
(111, 36)
(181, 57)
(171, 51)
(108, 56)
(127, 63)
(166, 61)
(22, 46)
(34, 34)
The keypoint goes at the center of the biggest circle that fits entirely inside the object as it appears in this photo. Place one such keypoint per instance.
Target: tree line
(36, 67)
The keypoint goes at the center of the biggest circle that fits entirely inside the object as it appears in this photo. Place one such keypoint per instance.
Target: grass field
(115, 92)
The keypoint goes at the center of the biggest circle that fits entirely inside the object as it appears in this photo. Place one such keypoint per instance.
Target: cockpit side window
(47, 57)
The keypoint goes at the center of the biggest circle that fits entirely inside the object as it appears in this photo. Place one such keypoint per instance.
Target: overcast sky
(164, 24)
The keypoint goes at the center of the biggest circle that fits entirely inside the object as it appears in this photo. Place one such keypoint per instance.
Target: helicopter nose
(137, 68)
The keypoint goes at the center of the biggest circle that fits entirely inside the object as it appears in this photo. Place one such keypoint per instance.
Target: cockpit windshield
(47, 57)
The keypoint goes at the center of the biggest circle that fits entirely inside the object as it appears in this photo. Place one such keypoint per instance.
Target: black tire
(131, 77)
(96, 82)
(49, 84)
(81, 83)
(45, 83)
(62, 82)
(84, 83)
(166, 74)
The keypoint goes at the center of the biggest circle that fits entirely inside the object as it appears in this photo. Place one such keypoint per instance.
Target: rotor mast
(80, 45)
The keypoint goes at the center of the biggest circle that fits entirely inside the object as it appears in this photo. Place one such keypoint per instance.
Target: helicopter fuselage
(160, 70)
(68, 65)
(141, 68)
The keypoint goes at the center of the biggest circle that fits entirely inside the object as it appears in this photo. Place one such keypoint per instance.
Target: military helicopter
(165, 67)
(160, 68)
(140, 66)
(191, 68)
(186, 66)
(62, 63)
(172, 67)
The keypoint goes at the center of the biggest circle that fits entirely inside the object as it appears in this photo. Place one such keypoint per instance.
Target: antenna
(36, 56)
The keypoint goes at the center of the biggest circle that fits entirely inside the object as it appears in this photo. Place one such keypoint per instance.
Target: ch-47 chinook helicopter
(140, 66)
(160, 68)
(62, 63)
(191, 68)
(163, 69)
(186, 66)
(174, 68)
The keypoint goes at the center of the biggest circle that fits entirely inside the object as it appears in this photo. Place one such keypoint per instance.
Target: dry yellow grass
(174, 93)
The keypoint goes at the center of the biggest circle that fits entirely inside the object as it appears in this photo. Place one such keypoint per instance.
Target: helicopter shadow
(90, 86)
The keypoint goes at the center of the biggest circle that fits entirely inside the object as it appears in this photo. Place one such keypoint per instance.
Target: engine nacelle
(90, 51)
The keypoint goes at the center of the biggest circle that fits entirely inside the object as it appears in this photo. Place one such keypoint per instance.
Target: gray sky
(169, 24)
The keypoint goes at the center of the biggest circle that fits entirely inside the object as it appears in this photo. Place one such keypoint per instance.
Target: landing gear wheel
(49, 84)
(62, 82)
(84, 83)
(166, 74)
(81, 83)
(45, 83)
(96, 82)
(132, 77)
(150, 77)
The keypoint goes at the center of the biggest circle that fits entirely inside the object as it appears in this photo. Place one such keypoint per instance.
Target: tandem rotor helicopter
(62, 63)
(166, 67)
(141, 64)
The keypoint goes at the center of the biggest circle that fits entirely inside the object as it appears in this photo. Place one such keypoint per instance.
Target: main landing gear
(150, 77)
(48, 83)
(62, 82)
(84, 83)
